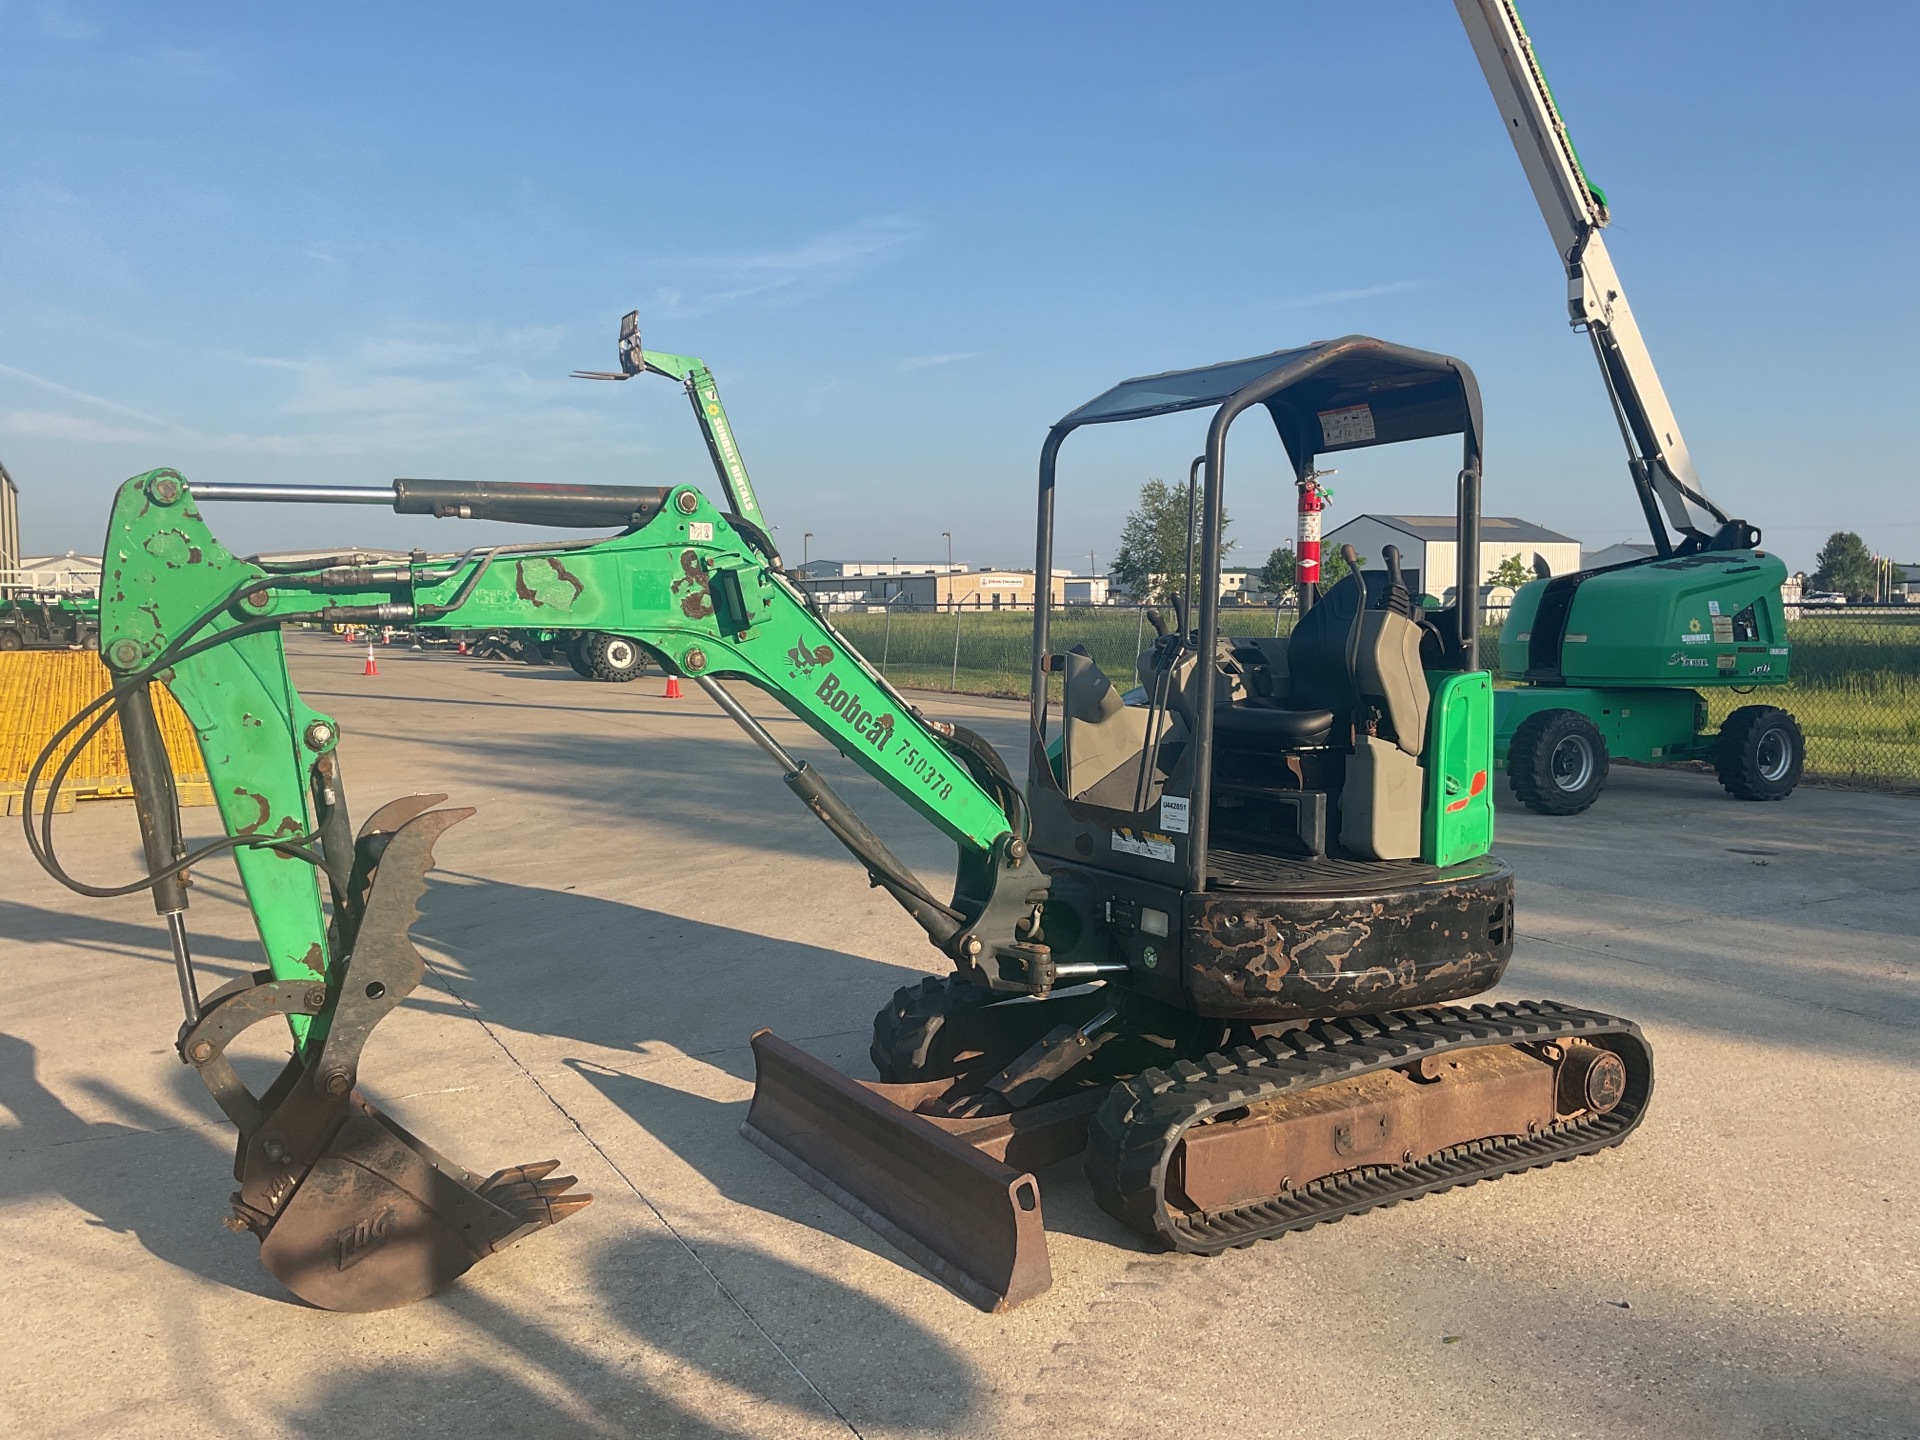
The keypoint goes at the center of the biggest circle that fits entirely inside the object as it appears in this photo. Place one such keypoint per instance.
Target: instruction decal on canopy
(1351, 425)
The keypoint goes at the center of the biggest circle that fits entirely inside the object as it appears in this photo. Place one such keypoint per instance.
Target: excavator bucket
(957, 1195)
(381, 1220)
(353, 1212)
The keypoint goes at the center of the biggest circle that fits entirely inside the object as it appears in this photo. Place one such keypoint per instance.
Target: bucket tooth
(354, 1212)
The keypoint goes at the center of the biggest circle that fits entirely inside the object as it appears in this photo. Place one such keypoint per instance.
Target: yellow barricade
(41, 690)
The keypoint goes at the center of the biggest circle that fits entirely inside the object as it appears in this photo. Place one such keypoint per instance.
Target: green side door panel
(1456, 821)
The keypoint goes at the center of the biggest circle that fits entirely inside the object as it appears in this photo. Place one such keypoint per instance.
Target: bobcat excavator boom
(353, 1212)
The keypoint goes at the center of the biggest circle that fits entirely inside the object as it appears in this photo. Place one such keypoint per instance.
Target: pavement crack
(646, 1200)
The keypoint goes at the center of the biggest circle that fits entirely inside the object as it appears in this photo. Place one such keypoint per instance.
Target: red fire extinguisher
(1306, 569)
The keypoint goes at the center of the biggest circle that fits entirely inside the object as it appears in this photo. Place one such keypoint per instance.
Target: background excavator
(1610, 662)
(1214, 939)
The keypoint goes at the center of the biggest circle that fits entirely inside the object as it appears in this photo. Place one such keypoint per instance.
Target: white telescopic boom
(1575, 210)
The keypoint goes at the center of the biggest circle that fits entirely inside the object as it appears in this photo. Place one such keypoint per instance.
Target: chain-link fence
(1855, 688)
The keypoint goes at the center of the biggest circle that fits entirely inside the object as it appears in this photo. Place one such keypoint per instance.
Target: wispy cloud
(927, 362)
(56, 425)
(405, 394)
(1341, 297)
(99, 401)
(784, 276)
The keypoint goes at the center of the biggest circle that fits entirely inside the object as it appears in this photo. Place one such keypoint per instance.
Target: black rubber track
(1137, 1130)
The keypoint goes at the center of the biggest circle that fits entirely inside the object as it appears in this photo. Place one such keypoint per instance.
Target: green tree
(1845, 565)
(1278, 574)
(1512, 572)
(1151, 562)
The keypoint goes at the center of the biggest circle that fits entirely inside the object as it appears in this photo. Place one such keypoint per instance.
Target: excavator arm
(353, 1212)
(1575, 210)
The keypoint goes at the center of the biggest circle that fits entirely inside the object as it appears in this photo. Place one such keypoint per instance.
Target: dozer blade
(353, 1212)
(971, 1219)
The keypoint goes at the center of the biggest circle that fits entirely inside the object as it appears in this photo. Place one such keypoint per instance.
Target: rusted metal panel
(972, 1220)
(1385, 1118)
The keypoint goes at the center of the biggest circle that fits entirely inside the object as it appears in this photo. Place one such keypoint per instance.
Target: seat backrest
(1088, 694)
(1325, 648)
(1389, 673)
(1101, 733)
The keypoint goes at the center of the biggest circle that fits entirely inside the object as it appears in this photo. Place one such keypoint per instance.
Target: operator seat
(1322, 663)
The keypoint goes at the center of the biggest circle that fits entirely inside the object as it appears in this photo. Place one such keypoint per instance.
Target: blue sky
(341, 243)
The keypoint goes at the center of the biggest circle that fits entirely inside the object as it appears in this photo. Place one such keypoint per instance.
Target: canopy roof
(1343, 394)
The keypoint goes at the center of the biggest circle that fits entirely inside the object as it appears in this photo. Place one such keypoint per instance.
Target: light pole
(949, 538)
(806, 543)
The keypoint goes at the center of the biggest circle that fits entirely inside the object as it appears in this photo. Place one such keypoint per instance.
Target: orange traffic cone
(673, 687)
(372, 669)
(463, 647)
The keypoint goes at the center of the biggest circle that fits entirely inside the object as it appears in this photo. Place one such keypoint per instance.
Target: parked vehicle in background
(49, 622)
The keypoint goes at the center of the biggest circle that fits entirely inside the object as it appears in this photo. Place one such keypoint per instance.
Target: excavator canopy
(1343, 394)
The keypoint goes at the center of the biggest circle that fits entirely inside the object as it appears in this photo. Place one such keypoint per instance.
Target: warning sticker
(1146, 844)
(1723, 629)
(1724, 662)
(699, 530)
(1713, 607)
(1173, 814)
(1348, 426)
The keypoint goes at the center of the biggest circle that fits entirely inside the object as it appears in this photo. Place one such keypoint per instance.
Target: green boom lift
(1611, 662)
(1213, 942)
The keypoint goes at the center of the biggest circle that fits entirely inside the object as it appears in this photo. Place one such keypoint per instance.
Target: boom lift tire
(1760, 753)
(1557, 763)
(614, 658)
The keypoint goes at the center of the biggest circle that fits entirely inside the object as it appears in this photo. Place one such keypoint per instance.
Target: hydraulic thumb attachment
(352, 1211)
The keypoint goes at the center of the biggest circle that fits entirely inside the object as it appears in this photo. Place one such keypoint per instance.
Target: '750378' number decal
(931, 775)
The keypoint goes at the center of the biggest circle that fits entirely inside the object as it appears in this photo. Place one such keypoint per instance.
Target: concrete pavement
(639, 892)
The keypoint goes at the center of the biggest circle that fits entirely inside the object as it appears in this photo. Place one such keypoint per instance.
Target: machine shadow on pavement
(666, 1361)
(169, 1211)
(621, 976)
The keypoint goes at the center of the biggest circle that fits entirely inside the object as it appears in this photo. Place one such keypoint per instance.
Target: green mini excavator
(1216, 940)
